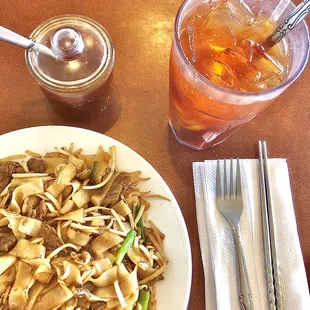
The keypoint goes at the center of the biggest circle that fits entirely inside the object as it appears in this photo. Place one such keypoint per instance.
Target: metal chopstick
(266, 232)
(275, 262)
(274, 258)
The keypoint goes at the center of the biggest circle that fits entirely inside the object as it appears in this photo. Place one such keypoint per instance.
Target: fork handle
(245, 296)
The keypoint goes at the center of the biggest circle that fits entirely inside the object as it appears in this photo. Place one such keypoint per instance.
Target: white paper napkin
(217, 245)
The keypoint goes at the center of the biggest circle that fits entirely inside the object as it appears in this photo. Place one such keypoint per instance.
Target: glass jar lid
(83, 52)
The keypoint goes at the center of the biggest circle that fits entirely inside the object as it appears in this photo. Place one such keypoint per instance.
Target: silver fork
(229, 203)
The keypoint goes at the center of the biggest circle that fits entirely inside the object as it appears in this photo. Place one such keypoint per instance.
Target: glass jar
(77, 79)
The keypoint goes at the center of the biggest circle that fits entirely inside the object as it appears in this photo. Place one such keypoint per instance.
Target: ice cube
(220, 18)
(185, 43)
(217, 72)
(281, 54)
(270, 71)
(246, 48)
(259, 30)
(204, 8)
(265, 82)
(191, 42)
(196, 19)
(211, 42)
(187, 39)
(250, 50)
(238, 64)
(238, 10)
(199, 14)
(266, 63)
(221, 36)
(270, 80)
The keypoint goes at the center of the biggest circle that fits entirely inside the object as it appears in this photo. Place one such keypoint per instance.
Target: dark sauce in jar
(82, 105)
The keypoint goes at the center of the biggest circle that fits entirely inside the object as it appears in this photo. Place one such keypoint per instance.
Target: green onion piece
(144, 298)
(125, 246)
(140, 223)
(93, 171)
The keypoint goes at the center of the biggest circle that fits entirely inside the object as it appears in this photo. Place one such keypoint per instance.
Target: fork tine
(218, 181)
(238, 180)
(231, 179)
(226, 193)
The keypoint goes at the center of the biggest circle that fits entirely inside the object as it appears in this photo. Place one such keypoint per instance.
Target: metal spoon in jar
(9, 36)
(287, 25)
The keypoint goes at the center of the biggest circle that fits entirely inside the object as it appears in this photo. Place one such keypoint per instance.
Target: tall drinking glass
(202, 113)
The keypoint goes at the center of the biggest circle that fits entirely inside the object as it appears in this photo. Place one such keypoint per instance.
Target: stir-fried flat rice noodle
(74, 233)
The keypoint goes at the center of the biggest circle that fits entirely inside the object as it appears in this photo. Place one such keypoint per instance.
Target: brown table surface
(142, 32)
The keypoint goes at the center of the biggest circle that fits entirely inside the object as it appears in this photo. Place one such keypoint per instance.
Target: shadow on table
(182, 158)
(39, 112)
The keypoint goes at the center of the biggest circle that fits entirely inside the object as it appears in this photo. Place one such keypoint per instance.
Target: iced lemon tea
(218, 70)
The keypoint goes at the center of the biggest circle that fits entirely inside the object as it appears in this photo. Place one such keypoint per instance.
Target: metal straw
(278, 11)
(289, 23)
(10, 36)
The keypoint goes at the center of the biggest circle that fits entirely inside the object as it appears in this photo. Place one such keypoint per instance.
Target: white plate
(173, 292)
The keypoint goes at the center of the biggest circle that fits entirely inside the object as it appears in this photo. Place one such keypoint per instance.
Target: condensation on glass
(78, 81)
